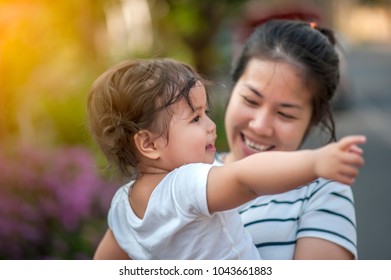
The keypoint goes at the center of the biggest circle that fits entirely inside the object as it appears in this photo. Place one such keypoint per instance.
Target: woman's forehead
(282, 81)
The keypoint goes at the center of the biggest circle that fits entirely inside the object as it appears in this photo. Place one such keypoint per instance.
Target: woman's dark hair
(308, 47)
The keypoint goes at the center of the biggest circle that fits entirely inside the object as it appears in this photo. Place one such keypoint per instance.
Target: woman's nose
(262, 123)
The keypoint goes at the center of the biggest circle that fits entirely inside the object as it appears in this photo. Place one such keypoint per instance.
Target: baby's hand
(340, 161)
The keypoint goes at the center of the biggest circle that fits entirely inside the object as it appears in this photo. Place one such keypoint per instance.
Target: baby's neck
(141, 191)
(150, 170)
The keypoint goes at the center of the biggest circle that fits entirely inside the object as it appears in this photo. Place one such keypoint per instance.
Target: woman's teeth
(256, 146)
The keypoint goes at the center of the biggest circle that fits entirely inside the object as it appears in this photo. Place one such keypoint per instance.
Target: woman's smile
(257, 147)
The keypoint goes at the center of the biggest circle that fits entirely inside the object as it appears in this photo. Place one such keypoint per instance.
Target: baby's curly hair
(132, 96)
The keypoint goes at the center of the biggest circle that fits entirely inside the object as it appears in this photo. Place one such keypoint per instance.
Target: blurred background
(54, 190)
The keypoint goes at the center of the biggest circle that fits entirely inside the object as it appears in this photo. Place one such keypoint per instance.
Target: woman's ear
(145, 142)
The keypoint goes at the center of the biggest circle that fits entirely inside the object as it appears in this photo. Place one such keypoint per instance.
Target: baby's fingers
(347, 180)
(353, 159)
(349, 171)
(349, 141)
(355, 149)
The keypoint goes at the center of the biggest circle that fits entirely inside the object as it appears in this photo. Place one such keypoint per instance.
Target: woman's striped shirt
(322, 209)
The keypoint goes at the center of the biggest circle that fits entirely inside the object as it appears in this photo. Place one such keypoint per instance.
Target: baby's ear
(145, 142)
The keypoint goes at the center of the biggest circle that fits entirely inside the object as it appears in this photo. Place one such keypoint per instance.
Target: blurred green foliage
(51, 51)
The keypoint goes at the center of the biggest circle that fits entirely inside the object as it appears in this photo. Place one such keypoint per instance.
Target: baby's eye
(196, 119)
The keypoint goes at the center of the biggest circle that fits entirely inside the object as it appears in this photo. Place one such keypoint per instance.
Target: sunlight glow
(129, 27)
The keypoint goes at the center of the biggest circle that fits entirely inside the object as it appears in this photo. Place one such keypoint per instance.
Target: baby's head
(132, 96)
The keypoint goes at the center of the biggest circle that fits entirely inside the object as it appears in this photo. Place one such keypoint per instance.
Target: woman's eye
(249, 101)
(286, 116)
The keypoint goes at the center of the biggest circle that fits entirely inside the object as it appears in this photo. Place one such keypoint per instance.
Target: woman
(283, 83)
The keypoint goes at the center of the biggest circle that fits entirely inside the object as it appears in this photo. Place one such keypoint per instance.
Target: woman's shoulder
(323, 186)
(320, 191)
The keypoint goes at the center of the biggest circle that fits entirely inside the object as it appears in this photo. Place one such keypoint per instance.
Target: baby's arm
(274, 172)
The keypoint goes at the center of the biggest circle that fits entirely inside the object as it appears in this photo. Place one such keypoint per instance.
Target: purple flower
(48, 201)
